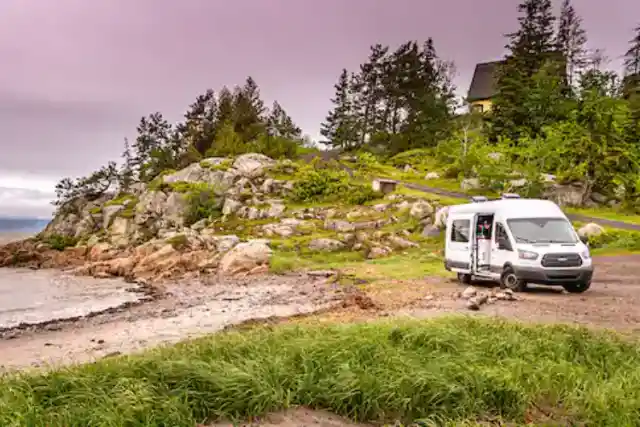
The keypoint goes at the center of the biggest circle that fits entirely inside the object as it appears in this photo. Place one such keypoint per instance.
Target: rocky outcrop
(151, 233)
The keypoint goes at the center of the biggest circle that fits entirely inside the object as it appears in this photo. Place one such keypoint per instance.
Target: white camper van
(516, 241)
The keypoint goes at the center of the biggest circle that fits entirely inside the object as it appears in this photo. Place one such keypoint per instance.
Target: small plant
(179, 241)
(60, 242)
(203, 202)
(223, 166)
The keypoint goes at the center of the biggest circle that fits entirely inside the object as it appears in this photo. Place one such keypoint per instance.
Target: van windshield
(542, 230)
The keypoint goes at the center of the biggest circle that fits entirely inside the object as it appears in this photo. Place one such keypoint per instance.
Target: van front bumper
(554, 276)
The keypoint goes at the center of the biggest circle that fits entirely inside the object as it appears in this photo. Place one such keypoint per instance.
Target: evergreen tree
(632, 56)
(248, 111)
(279, 124)
(200, 122)
(571, 40)
(339, 126)
(530, 48)
(126, 172)
(368, 91)
(225, 111)
(154, 134)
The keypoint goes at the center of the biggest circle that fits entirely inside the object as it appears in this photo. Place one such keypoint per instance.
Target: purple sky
(77, 75)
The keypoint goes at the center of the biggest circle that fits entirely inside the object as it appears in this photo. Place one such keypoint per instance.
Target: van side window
(501, 233)
(460, 230)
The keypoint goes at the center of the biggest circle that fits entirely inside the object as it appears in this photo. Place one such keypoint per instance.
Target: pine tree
(200, 122)
(248, 111)
(126, 172)
(339, 126)
(280, 124)
(530, 48)
(571, 40)
(368, 91)
(632, 56)
(225, 111)
(154, 134)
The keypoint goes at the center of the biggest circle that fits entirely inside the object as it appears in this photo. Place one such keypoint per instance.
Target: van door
(459, 243)
(500, 255)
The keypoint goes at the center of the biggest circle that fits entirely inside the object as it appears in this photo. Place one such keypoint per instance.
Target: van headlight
(586, 254)
(527, 255)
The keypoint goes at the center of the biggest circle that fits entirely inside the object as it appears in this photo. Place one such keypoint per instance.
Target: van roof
(512, 208)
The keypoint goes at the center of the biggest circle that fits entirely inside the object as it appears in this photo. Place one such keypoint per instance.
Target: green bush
(416, 158)
(315, 184)
(616, 239)
(60, 242)
(203, 202)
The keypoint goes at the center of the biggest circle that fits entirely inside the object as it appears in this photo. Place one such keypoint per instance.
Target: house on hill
(482, 88)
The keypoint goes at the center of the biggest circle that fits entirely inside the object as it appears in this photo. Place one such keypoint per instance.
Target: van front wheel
(509, 280)
(577, 288)
(465, 279)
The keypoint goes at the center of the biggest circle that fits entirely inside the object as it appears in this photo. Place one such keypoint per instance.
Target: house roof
(483, 82)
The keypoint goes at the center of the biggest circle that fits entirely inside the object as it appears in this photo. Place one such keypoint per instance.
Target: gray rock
(432, 175)
(230, 206)
(251, 165)
(326, 245)
(421, 209)
(108, 213)
(340, 226)
(591, 230)
(470, 184)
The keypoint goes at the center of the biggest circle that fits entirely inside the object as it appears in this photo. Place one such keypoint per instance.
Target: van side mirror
(584, 239)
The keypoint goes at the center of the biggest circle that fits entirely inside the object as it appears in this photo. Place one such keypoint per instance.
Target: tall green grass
(449, 370)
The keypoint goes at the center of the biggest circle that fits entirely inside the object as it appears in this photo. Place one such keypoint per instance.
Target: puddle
(40, 296)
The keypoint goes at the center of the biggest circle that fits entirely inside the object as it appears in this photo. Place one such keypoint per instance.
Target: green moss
(122, 199)
(179, 241)
(96, 210)
(224, 165)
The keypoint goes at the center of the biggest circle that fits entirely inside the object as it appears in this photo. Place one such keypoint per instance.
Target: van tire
(465, 279)
(509, 280)
(577, 287)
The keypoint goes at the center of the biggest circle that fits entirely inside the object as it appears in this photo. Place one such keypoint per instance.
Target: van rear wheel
(465, 279)
(509, 280)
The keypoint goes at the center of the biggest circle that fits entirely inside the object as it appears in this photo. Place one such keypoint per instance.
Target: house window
(460, 230)
(477, 108)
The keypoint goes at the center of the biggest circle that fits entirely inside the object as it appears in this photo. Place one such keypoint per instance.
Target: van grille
(561, 260)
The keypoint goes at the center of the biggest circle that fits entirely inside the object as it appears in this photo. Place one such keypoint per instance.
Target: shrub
(203, 202)
(328, 184)
(60, 242)
(616, 239)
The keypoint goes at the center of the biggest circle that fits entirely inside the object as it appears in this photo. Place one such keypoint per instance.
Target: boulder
(326, 245)
(440, 219)
(248, 257)
(432, 175)
(470, 184)
(108, 213)
(590, 230)
(421, 209)
(251, 165)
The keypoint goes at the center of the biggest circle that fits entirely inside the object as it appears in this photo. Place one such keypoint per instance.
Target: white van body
(516, 241)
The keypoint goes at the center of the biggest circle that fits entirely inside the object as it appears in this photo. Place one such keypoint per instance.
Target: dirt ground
(194, 308)
(298, 417)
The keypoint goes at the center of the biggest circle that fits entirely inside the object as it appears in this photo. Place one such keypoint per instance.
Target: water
(37, 296)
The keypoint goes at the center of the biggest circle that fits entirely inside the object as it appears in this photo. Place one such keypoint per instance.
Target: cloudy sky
(76, 75)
